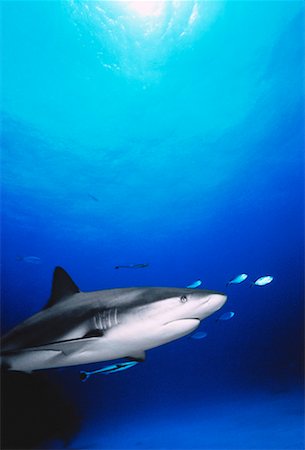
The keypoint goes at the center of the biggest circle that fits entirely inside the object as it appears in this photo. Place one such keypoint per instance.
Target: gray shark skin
(85, 327)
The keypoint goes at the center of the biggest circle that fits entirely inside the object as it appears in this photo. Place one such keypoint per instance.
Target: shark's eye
(183, 299)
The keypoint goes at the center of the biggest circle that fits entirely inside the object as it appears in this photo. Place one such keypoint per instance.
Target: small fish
(199, 335)
(226, 316)
(262, 281)
(238, 279)
(95, 199)
(133, 266)
(29, 259)
(195, 284)
(84, 375)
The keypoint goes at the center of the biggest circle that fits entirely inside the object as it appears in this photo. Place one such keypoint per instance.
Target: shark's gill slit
(101, 324)
(95, 322)
(109, 318)
(104, 320)
(116, 322)
(98, 321)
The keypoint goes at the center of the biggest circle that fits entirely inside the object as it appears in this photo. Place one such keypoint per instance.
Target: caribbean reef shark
(85, 327)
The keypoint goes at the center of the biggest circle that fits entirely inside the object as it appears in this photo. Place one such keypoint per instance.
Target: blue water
(170, 133)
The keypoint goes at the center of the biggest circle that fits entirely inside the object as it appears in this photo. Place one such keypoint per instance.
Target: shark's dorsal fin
(62, 287)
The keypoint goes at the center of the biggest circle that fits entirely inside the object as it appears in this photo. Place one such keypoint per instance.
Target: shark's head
(198, 304)
(178, 311)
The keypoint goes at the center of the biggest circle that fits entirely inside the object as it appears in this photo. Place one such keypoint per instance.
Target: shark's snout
(217, 301)
(210, 304)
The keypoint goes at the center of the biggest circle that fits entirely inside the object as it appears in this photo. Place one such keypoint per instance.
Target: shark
(76, 327)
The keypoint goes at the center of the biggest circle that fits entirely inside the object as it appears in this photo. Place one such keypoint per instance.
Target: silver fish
(238, 279)
(226, 316)
(195, 284)
(262, 281)
(84, 375)
(132, 266)
(199, 335)
(29, 259)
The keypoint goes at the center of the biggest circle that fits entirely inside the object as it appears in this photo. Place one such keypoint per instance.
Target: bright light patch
(146, 8)
(136, 37)
(194, 15)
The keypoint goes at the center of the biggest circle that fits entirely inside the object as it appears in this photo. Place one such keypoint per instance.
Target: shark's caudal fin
(62, 287)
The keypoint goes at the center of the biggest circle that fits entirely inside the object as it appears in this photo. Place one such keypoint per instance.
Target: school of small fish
(238, 279)
(261, 281)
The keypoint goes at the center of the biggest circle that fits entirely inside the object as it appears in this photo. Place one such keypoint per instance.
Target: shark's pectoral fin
(79, 345)
(94, 333)
(137, 356)
(70, 347)
(21, 360)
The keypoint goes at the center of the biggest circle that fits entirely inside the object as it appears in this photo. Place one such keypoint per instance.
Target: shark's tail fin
(83, 376)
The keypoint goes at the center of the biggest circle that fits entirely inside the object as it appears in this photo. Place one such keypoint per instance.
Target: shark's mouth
(186, 320)
(180, 327)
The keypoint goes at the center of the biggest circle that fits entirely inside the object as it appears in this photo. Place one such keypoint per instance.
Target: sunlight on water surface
(137, 37)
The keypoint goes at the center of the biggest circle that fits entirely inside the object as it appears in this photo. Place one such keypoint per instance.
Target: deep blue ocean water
(170, 133)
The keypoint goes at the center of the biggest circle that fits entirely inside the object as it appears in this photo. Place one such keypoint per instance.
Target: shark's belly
(120, 342)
